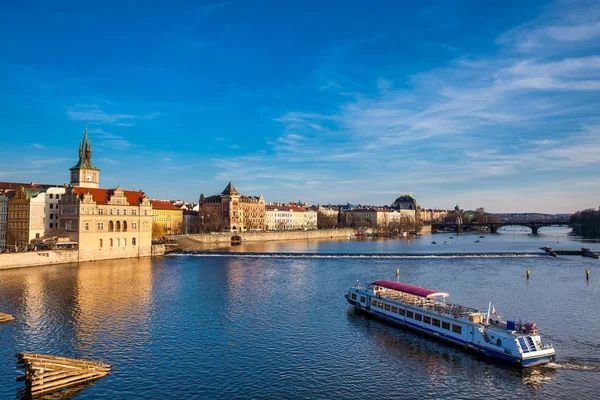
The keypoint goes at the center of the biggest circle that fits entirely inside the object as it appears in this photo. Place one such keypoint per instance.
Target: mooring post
(527, 272)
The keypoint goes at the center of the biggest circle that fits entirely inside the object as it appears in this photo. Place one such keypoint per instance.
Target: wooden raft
(45, 374)
(5, 318)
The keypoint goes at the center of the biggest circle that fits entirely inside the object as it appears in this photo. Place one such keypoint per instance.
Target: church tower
(84, 174)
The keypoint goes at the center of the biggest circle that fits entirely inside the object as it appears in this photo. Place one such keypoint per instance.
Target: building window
(57, 196)
(124, 242)
(117, 243)
(87, 226)
(111, 227)
(111, 243)
(100, 243)
(118, 225)
(133, 212)
(51, 205)
(457, 329)
(124, 211)
(51, 216)
(101, 211)
(100, 226)
(124, 226)
(51, 225)
(118, 212)
(50, 196)
(134, 226)
(110, 211)
(133, 241)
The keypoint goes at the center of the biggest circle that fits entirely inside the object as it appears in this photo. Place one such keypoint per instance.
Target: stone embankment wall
(34, 258)
(225, 238)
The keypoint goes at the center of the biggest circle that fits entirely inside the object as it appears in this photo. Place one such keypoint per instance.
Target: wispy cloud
(475, 121)
(93, 113)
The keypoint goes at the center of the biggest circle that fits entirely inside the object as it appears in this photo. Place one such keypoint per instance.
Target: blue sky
(484, 103)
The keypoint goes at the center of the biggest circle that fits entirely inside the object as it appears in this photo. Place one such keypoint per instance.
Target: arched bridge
(494, 226)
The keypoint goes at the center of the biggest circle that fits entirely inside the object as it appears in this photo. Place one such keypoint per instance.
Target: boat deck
(428, 304)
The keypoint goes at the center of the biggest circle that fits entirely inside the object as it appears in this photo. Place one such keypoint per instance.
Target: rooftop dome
(406, 202)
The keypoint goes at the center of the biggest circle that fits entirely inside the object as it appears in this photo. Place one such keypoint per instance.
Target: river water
(239, 325)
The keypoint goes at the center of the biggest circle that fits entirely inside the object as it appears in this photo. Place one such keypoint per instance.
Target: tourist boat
(426, 311)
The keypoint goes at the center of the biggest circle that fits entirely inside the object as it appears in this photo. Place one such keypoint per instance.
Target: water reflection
(114, 299)
(66, 309)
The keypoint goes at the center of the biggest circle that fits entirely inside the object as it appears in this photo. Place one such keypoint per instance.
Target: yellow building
(105, 223)
(167, 216)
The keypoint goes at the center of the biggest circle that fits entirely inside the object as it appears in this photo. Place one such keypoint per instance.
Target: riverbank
(225, 239)
(51, 257)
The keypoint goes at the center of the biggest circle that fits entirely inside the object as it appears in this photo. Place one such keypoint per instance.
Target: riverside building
(105, 223)
(167, 216)
(235, 212)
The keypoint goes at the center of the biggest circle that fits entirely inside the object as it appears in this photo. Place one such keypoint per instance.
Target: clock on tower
(84, 173)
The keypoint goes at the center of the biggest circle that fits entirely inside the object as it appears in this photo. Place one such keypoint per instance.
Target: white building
(278, 218)
(52, 200)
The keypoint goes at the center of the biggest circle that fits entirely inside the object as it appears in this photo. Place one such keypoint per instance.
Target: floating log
(5, 318)
(45, 374)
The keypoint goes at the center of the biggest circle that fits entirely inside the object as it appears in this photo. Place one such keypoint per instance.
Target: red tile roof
(163, 205)
(101, 196)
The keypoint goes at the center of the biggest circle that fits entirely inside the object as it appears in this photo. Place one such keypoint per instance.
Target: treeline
(586, 223)
(470, 217)
(397, 227)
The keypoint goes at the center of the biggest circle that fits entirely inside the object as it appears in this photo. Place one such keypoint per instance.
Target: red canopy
(414, 290)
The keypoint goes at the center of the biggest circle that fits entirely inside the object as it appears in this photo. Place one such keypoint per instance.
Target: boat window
(353, 296)
(401, 311)
(498, 342)
(457, 329)
(380, 304)
(374, 303)
(446, 325)
(409, 314)
(435, 322)
(418, 317)
(362, 299)
(427, 319)
(387, 307)
(395, 309)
